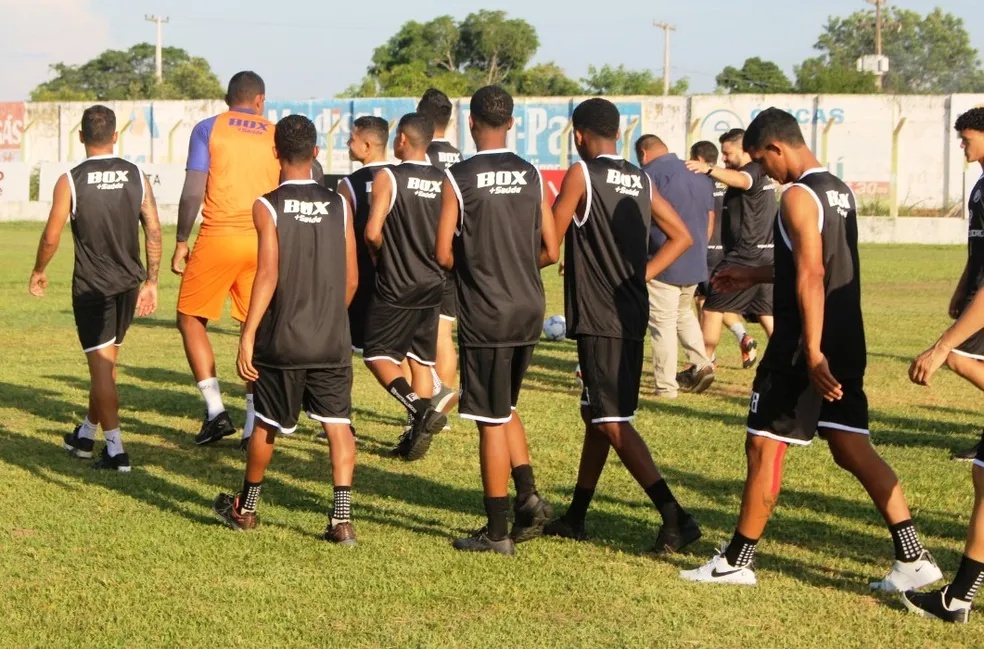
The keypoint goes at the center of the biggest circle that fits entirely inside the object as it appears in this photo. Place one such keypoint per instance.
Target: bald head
(648, 148)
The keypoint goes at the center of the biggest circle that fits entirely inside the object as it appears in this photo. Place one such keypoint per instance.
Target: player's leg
(700, 374)
(105, 397)
(240, 293)
(93, 324)
(768, 324)
(594, 456)
(428, 420)
(711, 329)
(746, 343)
(446, 369)
(663, 301)
(966, 362)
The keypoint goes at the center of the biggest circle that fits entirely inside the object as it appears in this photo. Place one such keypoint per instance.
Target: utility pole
(878, 36)
(667, 28)
(159, 60)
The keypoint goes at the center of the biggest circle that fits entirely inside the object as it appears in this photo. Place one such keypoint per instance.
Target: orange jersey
(235, 148)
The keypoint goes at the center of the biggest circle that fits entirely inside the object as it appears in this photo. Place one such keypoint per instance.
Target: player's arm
(344, 191)
(730, 177)
(150, 220)
(351, 259)
(61, 208)
(738, 278)
(450, 211)
(379, 207)
(570, 200)
(193, 191)
(678, 238)
(710, 225)
(549, 241)
(264, 285)
(968, 323)
(801, 218)
(959, 293)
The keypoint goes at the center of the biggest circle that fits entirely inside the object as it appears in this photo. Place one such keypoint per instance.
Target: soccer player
(961, 347)
(230, 163)
(611, 202)
(707, 153)
(105, 197)
(746, 232)
(295, 345)
(811, 378)
(403, 312)
(496, 232)
(442, 154)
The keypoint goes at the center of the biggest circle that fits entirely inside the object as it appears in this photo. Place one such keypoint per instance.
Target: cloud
(34, 34)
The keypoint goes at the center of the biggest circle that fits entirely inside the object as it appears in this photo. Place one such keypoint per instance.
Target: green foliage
(755, 76)
(818, 76)
(611, 80)
(544, 80)
(117, 75)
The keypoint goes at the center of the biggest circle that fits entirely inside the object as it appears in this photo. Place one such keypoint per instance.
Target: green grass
(110, 560)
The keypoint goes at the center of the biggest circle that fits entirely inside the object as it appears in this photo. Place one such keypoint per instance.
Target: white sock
(738, 329)
(250, 417)
(213, 397)
(437, 380)
(88, 429)
(114, 446)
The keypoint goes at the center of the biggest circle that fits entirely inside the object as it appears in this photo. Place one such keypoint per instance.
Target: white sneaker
(719, 571)
(910, 575)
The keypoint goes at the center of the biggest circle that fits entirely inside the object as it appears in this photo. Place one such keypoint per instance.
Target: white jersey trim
(351, 190)
(587, 195)
(461, 203)
(849, 429)
(112, 341)
(328, 420)
(816, 199)
(345, 214)
(492, 151)
(751, 181)
(270, 422)
(143, 183)
(273, 212)
(539, 175)
(388, 172)
(75, 198)
(778, 438)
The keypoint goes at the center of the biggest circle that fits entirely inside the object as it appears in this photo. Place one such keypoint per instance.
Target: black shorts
(394, 333)
(449, 301)
(611, 369)
(786, 407)
(357, 317)
(973, 347)
(324, 393)
(103, 321)
(491, 378)
(756, 300)
(979, 459)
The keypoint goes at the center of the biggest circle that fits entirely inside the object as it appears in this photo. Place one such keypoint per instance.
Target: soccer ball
(555, 328)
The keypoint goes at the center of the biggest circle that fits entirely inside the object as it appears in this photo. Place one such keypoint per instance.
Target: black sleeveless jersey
(407, 275)
(715, 249)
(842, 340)
(605, 252)
(107, 193)
(975, 243)
(306, 324)
(359, 184)
(442, 154)
(497, 250)
(747, 219)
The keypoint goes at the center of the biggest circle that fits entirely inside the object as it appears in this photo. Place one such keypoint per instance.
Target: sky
(315, 48)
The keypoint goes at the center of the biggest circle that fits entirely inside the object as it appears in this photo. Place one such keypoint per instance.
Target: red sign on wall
(552, 178)
(11, 130)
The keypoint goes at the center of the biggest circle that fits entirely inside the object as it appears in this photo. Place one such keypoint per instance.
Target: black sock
(403, 393)
(740, 551)
(250, 496)
(907, 544)
(341, 511)
(579, 504)
(523, 479)
(662, 497)
(497, 510)
(968, 580)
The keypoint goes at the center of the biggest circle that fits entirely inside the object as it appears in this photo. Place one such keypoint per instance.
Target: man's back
(688, 193)
(746, 228)
(442, 154)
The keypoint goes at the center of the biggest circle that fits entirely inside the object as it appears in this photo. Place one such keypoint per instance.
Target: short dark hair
(244, 87)
(598, 116)
(972, 120)
(773, 125)
(295, 138)
(492, 106)
(646, 142)
(375, 126)
(705, 151)
(734, 135)
(98, 125)
(436, 105)
(418, 128)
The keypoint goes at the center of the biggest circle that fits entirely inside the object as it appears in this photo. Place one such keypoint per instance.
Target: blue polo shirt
(692, 197)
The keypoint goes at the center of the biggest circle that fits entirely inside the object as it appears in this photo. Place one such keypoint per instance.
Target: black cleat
(214, 430)
(673, 538)
(565, 529)
(416, 440)
(78, 446)
(933, 605)
(119, 462)
(969, 455)
(480, 542)
(530, 518)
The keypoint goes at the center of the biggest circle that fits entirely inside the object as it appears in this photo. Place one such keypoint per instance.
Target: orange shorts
(219, 266)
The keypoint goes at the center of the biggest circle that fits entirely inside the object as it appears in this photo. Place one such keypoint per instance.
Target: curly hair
(597, 115)
(295, 138)
(492, 106)
(972, 120)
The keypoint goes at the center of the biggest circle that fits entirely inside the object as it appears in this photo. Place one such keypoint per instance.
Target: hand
(560, 267)
(180, 258)
(924, 365)
(956, 302)
(697, 166)
(732, 278)
(824, 382)
(244, 362)
(39, 282)
(147, 299)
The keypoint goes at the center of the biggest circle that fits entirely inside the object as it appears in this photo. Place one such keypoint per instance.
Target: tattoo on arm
(152, 230)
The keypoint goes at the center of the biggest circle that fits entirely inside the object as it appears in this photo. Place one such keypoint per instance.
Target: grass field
(101, 559)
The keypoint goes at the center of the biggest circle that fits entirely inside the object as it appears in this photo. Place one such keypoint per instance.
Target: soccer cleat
(442, 399)
(565, 529)
(719, 571)
(910, 575)
(119, 462)
(78, 446)
(244, 444)
(480, 542)
(415, 442)
(695, 381)
(225, 507)
(933, 605)
(530, 518)
(341, 534)
(578, 376)
(214, 430)
(673, 538)
(748, 353)
(967, 456)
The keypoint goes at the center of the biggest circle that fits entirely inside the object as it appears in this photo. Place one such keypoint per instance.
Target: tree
(544, 80)
(495, 45)
(608, 80)
(755, 76)
(930, 54)
(116, 75)
(818, 76)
